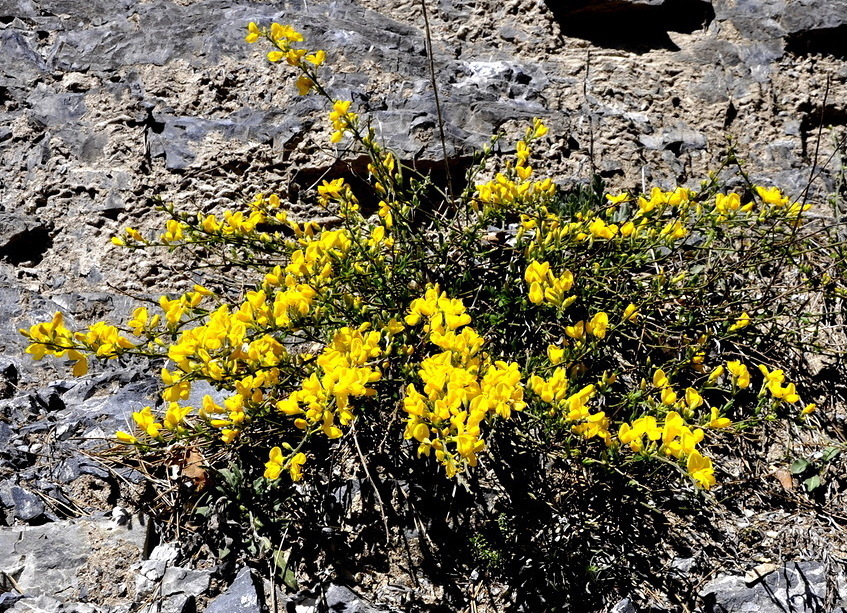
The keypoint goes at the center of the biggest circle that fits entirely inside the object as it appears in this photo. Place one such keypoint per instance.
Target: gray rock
(166, 552)
(149, 575)
(18, 58)
(9, 376)
(38, 604)
(7, 599)
(27, 505)
(678, 139)
(93, 414)
(241, 596)
(51, 109)
(798, 586)
(179, 138)
(807, 25)
(344, 600)
(6, 434)
(176, 588)
(47, 560)
(178, 580)
(22, 239)
(812, 15)
(624, 606)
(20, 409)
(755, 20)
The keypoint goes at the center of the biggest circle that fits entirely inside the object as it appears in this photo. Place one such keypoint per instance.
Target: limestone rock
(22, 239)
(796, 586)
(25, 505)
(66, 559)
(241, 596)
(336, 598)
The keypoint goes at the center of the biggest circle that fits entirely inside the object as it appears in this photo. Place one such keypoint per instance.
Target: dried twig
(373, 484)
(437, 100)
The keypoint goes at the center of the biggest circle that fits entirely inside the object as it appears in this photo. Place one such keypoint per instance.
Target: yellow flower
(772, 376)
(809, 409)
(787, 393)
(795, 209)
(630, 313)
(286, 34)
(613, 200)
(660, 379)
(771, 195)
(555, 354)
(692, 398)
(253, 33)
(538, 128)
(125, 437)
(700, 469)
(598, 325)
(80, 367)
(741, 322)
(668, 396)
(340, 109)
(173, 231)
(275, 56)
(576, 331)
(716, 373)
(294, 465)
(725, 203)
(304, 85)
(147, 422)
(175, 415)
(536, 294)
(228, 435)
(718, 422)
(273, 467)
(317, 58)
(595, 425)
(739, 372)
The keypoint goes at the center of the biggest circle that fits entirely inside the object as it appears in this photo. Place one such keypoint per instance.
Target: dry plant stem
(373, 484)
(274, 604)
(437, 101)
(813, 169)
(590, 115)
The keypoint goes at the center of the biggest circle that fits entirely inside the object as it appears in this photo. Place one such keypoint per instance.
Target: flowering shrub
(623, 327)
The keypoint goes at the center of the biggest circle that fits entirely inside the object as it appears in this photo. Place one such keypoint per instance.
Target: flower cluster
(462, 387)
(53, 338)
(345, 370)
(342, 120)
(545, 287)
(514, 187)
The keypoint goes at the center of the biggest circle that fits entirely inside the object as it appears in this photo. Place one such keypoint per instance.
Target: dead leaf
(193, 469)
(785, 479)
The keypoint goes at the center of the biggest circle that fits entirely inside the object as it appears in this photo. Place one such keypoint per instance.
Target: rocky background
(106, 105)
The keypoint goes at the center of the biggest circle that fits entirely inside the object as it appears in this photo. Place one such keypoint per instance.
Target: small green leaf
(799, 466)
(284, 570)
(812, 482)
(830, 453)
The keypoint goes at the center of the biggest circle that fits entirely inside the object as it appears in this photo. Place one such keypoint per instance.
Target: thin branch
(437, 100)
